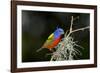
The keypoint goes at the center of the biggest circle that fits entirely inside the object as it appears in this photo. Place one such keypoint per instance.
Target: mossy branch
(65, 50)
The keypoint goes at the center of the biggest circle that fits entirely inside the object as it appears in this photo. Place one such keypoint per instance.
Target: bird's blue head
(59, 31)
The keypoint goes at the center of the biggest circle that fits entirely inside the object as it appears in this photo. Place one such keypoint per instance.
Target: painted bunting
(53, 39)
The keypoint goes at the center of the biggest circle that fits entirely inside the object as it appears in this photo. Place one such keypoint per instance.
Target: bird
(53, 39)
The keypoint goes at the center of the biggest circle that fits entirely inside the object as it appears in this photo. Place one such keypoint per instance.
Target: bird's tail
(39, 49)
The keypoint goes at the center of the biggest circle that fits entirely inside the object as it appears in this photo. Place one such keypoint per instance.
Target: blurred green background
(38, 25)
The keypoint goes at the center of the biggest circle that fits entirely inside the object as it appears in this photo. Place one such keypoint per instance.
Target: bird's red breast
(54, 43)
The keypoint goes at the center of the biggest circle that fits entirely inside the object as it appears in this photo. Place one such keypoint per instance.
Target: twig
(72, 31)
(80, 29)
(75, 18)
(72, 20)
(71, 24)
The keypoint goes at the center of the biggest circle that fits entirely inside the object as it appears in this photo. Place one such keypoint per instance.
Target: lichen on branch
(67, 47)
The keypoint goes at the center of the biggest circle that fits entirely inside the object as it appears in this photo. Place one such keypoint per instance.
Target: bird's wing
(49, 41)
(51, 36)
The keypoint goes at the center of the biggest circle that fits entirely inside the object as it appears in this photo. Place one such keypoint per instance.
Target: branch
(71, 24)
(80, 29)
(72, 31)
(72, 19)
(61, 50)
(75, 18)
